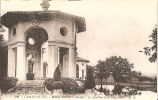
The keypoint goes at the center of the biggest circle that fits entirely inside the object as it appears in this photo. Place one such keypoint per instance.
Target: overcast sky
(114, 27)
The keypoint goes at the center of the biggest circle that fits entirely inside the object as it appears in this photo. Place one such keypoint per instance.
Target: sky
(113, 27)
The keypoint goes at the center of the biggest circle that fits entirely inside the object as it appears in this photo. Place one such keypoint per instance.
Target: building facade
(81, 68)
(29, 31)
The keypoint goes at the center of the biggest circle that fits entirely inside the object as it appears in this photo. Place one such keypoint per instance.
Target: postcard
(78, 49)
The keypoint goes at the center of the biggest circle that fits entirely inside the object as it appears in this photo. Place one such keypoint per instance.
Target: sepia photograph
(78, 49)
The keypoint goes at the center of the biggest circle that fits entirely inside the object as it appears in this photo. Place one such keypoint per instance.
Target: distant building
(81, 68)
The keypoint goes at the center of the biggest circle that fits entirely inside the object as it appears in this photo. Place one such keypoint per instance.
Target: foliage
(132, 75)
(90, 82)
(135, 74)
(69, 85)
(2, 41)
(81, 89)
(152, 51)
(47, 81)
(3, 57)
(120, 67)
(57, 74)
(48, 84)
(145, 78)
(102, 71)
(8, 83)
(55, 85)
(51, 84)
(117, 89)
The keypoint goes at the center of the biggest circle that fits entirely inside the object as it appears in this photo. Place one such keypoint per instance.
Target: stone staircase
(29, 87)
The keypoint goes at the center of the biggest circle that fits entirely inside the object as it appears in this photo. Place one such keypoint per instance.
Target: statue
(31, 61)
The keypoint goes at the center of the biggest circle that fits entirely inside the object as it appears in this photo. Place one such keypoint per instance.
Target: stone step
(29, 87)
(31, 82)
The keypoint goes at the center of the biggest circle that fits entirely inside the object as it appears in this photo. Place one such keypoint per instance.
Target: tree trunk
(101, 87)
(106, 82)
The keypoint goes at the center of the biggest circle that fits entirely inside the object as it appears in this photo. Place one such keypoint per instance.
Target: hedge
(8, 83)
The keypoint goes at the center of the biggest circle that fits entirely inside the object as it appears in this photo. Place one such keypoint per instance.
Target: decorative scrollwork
(35, 22)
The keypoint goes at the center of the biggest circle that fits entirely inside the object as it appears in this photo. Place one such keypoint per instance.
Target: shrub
(81, 89)
(117, 89)
(51, 84)
(47, 83)
(57, 85)
(8, 83)
(69, 85)
(54, 85)
(90, 82)
(57, 74)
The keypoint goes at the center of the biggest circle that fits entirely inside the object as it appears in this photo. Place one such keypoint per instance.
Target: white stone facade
(56, 28)
(81, 71)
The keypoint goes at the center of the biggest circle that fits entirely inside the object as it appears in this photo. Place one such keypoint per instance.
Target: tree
(2, 41)
(152, 51)
(3, 57)
(90, 82)
(145, 78)
(134, 74)
(57, 74)
(120, 67)
(102, 71)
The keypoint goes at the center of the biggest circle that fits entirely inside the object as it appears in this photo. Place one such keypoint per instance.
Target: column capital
(51, 43)
(18, 43)
(21, 44)
(73, 47)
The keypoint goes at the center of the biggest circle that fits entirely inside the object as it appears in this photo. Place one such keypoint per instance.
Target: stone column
(21, 59)
(56, 56)
(11, 62)
(65, 64)
(52, 59)
(41, 71)
(72, 63)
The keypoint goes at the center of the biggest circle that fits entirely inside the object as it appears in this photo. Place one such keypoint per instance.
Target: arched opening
(35, 37)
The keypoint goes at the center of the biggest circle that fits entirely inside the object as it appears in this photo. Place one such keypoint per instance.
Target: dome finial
(45, 5)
